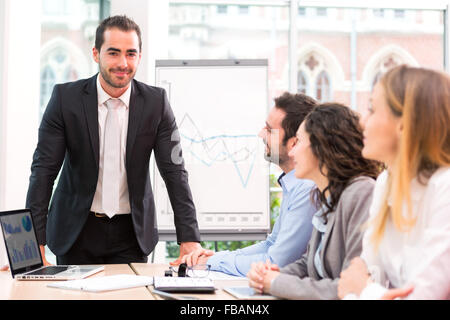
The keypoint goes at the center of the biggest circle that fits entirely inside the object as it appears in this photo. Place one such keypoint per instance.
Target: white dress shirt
(122, 112)
(420, 257)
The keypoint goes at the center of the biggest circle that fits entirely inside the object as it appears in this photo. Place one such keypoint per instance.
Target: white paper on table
(217, 275)
(106, 283)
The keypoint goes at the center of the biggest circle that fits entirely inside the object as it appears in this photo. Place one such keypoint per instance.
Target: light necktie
(111, 159)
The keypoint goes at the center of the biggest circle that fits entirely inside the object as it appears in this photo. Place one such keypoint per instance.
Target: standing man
(292, 230)
(104, 129)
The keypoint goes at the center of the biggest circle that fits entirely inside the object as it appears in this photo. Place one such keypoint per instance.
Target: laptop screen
(20, 240)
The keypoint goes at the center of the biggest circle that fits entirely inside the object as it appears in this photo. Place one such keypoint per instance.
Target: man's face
(272, 135)
(118, 58)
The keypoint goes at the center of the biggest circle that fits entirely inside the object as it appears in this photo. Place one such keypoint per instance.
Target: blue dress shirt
(289, 237)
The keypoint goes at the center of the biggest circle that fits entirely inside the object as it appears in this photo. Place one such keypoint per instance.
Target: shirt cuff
(216, 259)
(271, 283)
(373, 291)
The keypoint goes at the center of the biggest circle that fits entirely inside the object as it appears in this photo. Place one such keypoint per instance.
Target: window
(71, 73)
(243, 9)
(389, 61)
(379, 13)
(257, 35)
(301, 11)
(321, 12)
(67, 34)
(380, 33)
(48, 80)
(302, 83)
(317, 66)
(323, 87)
(55, 7)
(398, 13)
(222, 9)
(376, 79)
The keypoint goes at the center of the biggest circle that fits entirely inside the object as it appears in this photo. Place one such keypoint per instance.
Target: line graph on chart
(240, 150)
(224, 164)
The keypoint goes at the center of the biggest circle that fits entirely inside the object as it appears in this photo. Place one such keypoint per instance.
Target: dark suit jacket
(69, 132)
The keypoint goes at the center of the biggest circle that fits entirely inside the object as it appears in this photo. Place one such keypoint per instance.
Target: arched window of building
(319, 73)
(48, 80)
(388, 62)
(70, 74)
(376, 79)
(302, 83)
(61, 62)
(323, 88)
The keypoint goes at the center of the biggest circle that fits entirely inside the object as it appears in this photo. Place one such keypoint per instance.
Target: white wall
(2, 100)
(3, 257)
(19, 99)
(19, 66)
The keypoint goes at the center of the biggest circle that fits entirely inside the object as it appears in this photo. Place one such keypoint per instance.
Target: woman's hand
(353, 279)
(261, 275)
(397, 293)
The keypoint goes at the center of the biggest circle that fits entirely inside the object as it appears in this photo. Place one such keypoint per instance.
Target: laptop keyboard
(48, 271)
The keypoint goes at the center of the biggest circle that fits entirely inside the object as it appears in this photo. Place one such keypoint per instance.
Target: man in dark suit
(104, 130)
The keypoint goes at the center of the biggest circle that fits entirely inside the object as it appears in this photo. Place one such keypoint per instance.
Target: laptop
(25, 260)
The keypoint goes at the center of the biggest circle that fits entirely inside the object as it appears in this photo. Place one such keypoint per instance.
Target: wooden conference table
(146, 269)
(11, 289)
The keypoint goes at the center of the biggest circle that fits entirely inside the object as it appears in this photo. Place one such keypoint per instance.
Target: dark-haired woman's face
(306, 164)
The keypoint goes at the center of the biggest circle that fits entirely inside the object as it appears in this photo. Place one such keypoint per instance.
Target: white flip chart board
(219, 106)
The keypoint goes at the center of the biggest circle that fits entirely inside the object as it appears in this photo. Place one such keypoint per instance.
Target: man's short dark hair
(122, 23)
(296, 106)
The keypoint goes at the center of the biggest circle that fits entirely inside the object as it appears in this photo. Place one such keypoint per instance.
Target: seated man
(293, 228)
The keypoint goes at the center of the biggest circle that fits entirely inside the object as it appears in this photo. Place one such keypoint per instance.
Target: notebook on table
(25, 260)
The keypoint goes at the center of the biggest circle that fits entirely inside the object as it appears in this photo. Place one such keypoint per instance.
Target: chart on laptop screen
(20, 240)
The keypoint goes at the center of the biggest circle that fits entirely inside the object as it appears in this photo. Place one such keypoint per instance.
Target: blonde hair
(421, 97)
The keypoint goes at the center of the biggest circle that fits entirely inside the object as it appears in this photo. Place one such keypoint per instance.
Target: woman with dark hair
(328, 151)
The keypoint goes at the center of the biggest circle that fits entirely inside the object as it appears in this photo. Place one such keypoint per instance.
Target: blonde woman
(406, 247)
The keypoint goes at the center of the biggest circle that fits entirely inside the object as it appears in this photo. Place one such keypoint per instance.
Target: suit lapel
(326, 237)
(90, 104)
(134, 117)
(314, 243)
